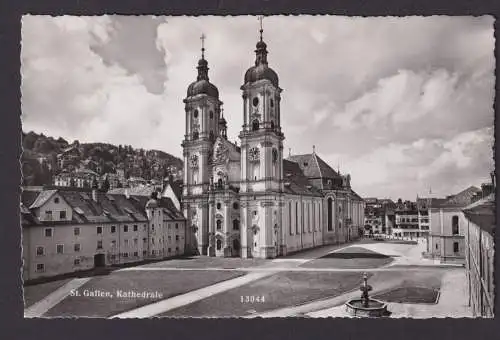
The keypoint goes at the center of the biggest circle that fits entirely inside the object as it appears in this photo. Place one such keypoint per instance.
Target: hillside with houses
(55, 161)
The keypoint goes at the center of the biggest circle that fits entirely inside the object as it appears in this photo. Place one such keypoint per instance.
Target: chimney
(94, 194)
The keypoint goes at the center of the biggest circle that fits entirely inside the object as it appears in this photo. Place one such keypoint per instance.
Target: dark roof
(482, 213)
(177, 188)
(295, 181)
(109, 208)
(460, 200)
(315, 168)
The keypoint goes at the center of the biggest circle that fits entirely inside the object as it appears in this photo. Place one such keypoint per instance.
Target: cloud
(377, 93)
(445, 165)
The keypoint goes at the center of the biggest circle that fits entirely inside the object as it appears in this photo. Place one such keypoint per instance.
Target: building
(81, 178)
(447, 226)
(379, 215)
(406, 223)
(67, 230)
(248, 200)
(480, 253)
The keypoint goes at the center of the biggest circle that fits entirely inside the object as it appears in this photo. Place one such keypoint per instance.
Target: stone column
(244, 230)
(227, 227)
(211, 228)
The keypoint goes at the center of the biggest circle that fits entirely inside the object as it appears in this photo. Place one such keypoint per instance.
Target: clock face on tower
(254, 154)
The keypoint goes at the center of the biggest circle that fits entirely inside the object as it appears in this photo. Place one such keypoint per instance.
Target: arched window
(330, 210)
(218, 205)
(236, 225)
(219, 183)
(255, 125)
(454, 225)
(219, 224)
(219, 244)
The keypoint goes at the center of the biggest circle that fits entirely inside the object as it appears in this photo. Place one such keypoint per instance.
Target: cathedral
(248, 200)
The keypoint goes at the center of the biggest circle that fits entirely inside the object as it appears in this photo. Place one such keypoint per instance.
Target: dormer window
(56, 200)
(306, 164)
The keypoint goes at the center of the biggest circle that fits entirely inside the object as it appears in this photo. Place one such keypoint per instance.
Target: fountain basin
(376, 308)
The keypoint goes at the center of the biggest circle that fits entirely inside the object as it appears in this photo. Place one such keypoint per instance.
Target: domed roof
(261, 69)
(202, 85)
(259, 72)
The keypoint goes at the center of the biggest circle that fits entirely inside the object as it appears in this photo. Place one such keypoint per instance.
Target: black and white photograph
(257, 166)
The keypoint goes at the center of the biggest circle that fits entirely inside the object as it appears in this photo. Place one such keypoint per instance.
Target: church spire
(261, 51)
(202, 63)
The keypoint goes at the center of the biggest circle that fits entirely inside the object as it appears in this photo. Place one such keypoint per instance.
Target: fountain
(366, 306)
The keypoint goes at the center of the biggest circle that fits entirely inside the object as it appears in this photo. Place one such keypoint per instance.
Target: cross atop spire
(202, 38)
(260, 17)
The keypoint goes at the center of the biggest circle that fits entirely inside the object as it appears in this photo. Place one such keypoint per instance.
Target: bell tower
(261, 158)
(202, 112)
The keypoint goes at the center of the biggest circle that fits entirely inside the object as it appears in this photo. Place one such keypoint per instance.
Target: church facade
(248, 200)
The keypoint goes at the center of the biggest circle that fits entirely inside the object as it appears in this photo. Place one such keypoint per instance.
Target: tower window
(195, 135)
(218, 206)
(235, 206)
(211, 115)
(272, 124)
(255, 101)
(219, 224)
(271, 102)
(195, 114)
(212, 135)
(255, 125)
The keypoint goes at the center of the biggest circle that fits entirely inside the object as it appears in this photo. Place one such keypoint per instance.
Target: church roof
(313, 166)
(295, 181)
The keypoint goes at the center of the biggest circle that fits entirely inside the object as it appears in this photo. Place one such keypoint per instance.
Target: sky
(402, 104)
